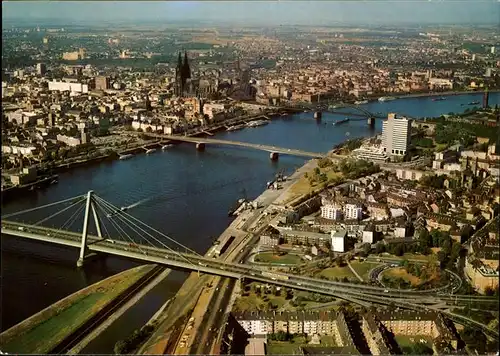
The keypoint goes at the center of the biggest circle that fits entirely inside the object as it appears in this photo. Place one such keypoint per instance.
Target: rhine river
(183, 193)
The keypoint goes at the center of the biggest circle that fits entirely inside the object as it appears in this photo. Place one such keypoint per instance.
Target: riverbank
(196, 290)
(444, 93)
(44, 331)
(116, 315)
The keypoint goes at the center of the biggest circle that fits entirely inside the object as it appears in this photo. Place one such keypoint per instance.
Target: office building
(41, 69)
(102, 83)
(396, 133)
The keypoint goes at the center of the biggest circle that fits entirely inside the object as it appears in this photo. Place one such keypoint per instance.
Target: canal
(183, 193)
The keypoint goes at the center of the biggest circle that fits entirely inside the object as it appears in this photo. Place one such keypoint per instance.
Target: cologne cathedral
(183, 85)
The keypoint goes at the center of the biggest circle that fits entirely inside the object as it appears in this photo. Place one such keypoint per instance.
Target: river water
(183, 193)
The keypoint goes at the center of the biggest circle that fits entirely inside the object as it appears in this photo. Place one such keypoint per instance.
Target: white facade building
(396, 133)
(352, 212)
(257, 327)
(71, 87)
(331, 212)
(338, 240)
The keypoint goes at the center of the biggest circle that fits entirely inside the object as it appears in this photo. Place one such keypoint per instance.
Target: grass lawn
(327, 341)
(254, 302)
(400, 272)
(282, 348)
(302, 186)
(291, 347)
(270, 257)
(408, 256)
(43, 333)
(364, 268)
(337, 272)
(405, 341)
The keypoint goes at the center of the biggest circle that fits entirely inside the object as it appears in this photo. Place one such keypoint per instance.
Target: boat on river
(236, 127)
(127, 156)
(361, 102)
(386, 98)
(257, 123)
(336, 123)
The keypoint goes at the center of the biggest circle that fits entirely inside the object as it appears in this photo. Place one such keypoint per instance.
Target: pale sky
(261, 12)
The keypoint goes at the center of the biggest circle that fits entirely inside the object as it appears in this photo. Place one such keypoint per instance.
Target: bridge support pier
(274, 156)
(83, 249)
(200, 146)
(371, 122)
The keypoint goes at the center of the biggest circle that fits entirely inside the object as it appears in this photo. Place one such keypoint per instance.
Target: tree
(425, 239)
(339, 261)
(442, 257)
(399, 249)
(489, 291)
(379, 248)
(120, 347)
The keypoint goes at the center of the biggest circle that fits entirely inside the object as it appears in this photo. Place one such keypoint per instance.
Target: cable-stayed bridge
(109, 229)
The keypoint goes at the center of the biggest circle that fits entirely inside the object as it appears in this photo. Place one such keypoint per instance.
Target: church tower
(182, 74)
(186, 70)
(179, 82)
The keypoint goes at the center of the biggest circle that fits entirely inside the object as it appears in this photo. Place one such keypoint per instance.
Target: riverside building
(396, 135)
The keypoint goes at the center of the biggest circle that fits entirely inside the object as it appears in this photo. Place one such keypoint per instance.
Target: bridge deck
(149, 254)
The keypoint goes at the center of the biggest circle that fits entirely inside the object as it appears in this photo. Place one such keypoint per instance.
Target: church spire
(179, 62)
(186, 70)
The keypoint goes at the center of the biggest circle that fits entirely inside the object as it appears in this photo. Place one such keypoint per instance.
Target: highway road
(192, 261)
(214, 266)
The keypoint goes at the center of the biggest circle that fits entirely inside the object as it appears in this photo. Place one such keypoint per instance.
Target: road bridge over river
(273, 150)
(147, 247)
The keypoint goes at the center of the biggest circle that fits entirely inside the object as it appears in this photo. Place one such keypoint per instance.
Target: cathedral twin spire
(183, 72)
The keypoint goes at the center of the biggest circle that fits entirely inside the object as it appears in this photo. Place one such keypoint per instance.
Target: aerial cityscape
(250, 178)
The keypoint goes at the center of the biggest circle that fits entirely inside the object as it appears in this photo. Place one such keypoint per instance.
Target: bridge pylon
(83, 249)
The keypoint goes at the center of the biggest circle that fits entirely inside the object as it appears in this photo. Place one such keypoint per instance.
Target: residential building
(353, 211)
(338, 240)
(331, 211)
(41, 69)
(376, 338)
(102, 83)
(396, 133)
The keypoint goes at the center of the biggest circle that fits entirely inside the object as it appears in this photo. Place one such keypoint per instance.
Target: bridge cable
(110, 220)
(73, 217)
(119, 228)
(122, 217)
(41, 207)
(146, 225)
(130, 226)
(59, 212)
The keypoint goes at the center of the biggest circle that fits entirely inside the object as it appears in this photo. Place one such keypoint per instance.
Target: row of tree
(133, 342)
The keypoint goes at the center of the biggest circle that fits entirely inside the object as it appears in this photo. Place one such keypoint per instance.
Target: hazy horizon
(257, 12)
